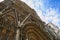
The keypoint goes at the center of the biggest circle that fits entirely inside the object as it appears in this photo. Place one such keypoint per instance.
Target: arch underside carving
(7, 27)
(33, 32)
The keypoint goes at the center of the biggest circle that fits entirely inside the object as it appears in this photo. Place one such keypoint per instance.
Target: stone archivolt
(20, 22)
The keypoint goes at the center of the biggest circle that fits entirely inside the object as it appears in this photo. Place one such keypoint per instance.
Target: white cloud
(46, 14)
(29, 2)
(1, 0)
(52, 15)
(34, 3)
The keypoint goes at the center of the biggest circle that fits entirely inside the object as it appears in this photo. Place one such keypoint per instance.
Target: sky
(47, 10)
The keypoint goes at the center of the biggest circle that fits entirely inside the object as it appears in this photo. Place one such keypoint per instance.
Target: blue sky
(48, 10)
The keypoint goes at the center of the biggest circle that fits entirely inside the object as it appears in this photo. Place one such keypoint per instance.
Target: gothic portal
(19, 22)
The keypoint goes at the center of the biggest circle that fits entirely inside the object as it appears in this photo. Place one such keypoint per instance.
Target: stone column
(17, 34)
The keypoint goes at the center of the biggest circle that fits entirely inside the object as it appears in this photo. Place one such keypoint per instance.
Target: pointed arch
(33, 32)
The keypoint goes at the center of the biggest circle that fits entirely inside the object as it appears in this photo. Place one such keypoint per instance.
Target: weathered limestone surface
(19, 22)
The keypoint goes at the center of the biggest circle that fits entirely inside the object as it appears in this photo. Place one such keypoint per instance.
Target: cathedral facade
(19, 22)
